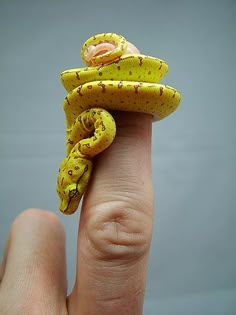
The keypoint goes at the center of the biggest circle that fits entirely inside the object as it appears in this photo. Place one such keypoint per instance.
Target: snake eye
(73, 193)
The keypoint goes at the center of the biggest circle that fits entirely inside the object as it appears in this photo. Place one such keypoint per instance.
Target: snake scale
(117, 77)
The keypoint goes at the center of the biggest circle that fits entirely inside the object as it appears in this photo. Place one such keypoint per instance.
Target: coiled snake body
(117, 77)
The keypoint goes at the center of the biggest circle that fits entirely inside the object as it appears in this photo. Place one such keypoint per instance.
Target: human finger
(116, 224)
(34, 276)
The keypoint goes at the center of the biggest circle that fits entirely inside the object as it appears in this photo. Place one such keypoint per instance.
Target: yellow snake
(117, 77)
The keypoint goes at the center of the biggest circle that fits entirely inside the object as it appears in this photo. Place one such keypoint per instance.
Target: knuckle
(119, 232)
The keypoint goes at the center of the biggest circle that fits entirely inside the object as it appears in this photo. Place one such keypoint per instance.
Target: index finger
(116, 224)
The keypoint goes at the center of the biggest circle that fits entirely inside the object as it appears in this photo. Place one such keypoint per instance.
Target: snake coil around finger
(117, 77)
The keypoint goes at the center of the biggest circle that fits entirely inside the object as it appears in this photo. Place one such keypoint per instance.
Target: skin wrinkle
(126, 219)
(123, 238)
(126, 241)
(136, 292)
(124, 200)
(133, 187)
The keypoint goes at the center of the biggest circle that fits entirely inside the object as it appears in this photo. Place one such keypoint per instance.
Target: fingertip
(44, 218)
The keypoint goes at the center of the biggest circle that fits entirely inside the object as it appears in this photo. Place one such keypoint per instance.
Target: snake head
(72, 182)
(69, 199)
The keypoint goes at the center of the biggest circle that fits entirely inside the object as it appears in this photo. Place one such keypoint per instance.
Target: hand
(113, 240)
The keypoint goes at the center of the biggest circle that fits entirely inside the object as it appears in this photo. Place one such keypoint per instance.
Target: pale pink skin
(102, 48)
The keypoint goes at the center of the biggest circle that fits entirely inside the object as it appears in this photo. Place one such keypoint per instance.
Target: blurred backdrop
(193, 259)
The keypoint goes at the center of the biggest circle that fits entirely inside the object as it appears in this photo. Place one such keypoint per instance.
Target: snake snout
(70, 200)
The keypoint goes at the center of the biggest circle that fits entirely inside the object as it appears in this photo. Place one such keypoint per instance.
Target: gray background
(192, 262)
